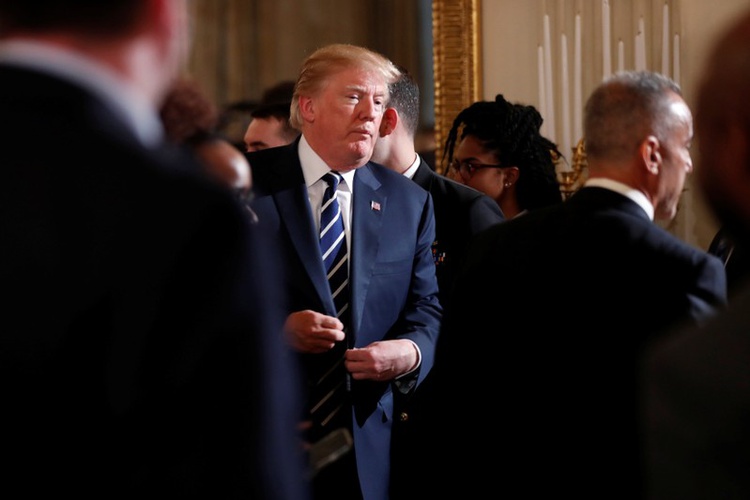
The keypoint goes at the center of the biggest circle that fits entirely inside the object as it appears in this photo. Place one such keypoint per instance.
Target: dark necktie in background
(331, 389)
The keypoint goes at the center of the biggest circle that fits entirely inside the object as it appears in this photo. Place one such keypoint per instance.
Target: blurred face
(676, 162)
(342, 121)
(263, 133)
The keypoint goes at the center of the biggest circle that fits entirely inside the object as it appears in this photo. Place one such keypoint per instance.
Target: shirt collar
(624, 190)
(413, 168)
(313, 166)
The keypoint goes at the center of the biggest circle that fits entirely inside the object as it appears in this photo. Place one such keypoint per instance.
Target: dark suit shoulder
(458, 201)
(276, 168)
(393, 180)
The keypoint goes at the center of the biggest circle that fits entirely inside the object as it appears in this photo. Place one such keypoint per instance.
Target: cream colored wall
(511, 31)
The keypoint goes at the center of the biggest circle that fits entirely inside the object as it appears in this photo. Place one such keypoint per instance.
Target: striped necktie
(330, 389)
(333, 245)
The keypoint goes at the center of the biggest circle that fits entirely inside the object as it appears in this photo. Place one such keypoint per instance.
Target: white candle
(606, 49)
(565, 93)
(641, 46)
(676, 60)
(550, 112)
(665, 42)
(577, 92)
(542, 90)
(620, 56)
(637, 44)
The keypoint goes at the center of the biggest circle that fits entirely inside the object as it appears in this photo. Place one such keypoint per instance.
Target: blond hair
(322, 63)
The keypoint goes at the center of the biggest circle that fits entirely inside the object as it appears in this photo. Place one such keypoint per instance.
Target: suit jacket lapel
(368, 209)
(294, 208)
(424, 175)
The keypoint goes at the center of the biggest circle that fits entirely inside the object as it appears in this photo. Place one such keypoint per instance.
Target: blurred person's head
(145, 42)
(501, 152)
(190, 119)
(225, 163)
(638, 131)
(722, 127)
(338, 102)
(187, 112)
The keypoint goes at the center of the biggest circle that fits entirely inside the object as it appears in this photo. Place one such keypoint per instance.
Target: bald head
(225, 163)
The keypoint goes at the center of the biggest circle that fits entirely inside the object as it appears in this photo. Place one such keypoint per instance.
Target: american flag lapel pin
(374, 205)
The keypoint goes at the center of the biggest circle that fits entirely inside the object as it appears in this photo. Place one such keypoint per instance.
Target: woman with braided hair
(501, 153)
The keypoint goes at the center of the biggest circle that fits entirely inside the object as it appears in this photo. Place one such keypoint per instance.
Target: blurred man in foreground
(139, 346)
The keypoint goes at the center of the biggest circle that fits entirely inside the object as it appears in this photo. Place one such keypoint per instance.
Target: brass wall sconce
(571, 179)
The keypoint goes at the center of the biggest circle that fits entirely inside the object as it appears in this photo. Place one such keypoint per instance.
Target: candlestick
(550, 114)
(665, 42)
(620, 56)
(577, 86)
(565, 94)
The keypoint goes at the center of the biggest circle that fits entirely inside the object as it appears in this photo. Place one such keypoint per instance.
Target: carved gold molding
(456, 60)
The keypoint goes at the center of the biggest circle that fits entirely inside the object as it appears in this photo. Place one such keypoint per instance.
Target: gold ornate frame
(457, 64)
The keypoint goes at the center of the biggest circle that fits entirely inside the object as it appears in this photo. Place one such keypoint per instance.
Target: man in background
(561, 302)
(697, 418)
(139, 345)
(270, 125)
(460, 212)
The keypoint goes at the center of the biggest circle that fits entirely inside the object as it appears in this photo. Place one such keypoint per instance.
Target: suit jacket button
(403, 416)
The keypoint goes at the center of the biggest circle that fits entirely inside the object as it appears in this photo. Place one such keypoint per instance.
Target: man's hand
(382, 361)
(313, 332)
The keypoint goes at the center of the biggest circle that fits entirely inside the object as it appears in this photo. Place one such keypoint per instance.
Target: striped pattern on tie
(333, 245)
(329, 391)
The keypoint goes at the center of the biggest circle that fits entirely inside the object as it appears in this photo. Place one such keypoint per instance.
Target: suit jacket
(697, 409)
(392, 279)
(561, 302)
(138, 322)
(460, 213)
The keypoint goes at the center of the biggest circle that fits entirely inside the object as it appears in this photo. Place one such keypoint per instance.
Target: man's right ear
(389, 122)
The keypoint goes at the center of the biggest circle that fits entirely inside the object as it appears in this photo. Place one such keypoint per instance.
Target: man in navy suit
(560, 304)
(139, 327)
(697, 418)
(460, 213)
(394, 318)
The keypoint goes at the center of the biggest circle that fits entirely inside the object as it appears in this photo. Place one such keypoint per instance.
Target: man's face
(676, 160)
(264, 133)
(342, 121)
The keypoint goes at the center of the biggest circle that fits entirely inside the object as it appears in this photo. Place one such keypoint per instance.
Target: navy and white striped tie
(333, 245)
(330, 388)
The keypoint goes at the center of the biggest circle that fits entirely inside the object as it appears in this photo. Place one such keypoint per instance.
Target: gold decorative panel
(457, 61)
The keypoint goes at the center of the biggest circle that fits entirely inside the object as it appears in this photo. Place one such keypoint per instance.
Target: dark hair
(624, 110)
(511, 131)
(97, 17)
(187, 114)
(275, 102)
(405, 99)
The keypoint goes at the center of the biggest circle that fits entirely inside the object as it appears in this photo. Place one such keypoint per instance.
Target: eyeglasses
(467, 169)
